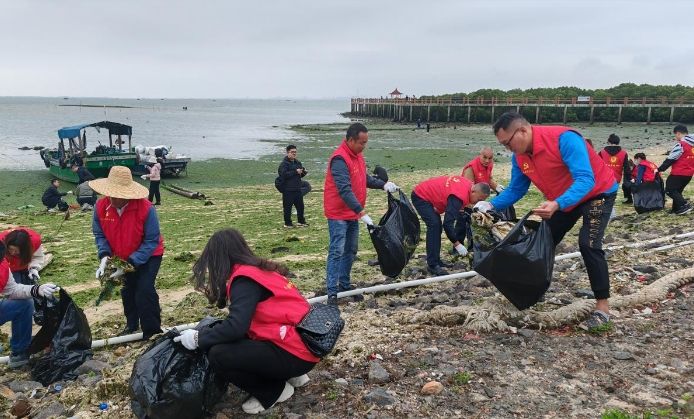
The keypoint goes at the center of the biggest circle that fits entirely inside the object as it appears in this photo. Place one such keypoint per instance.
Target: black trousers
(626, 190)
(596, 215)
(674, 186)
(154, 191)
(259, 368)
(140, 298)
(434, 228)
(91, 200)
(296, 199)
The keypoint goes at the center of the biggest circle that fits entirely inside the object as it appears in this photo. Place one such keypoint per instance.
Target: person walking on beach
(617, 159)
(681, 159)
(53, 198)
(447, 195)
(125, 224)
(344, 199)
(576, 184)
(291, 171)
(154, 177)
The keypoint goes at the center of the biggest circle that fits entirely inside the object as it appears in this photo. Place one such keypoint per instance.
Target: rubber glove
(462, 251)
(119, 272)
(102, 267)
(483, 206)
(69, 192)
(390, 187)
(188, 338)
(47, 290)
(143, 177)
(367, 220)
(34, 274)
(499, 188)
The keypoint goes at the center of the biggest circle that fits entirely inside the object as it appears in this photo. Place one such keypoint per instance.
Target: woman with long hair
(24, 254)
(256, 347)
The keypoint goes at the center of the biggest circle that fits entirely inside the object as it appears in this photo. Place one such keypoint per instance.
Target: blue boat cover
(114, 128)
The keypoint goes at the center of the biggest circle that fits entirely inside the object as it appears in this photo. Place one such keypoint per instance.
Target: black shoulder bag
(320, 328)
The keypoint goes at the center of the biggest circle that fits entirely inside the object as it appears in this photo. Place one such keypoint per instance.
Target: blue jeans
(344, 242)
(18, 312)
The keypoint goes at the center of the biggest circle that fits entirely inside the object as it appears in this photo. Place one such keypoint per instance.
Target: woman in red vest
(681, 158)
(644, 171)
(257, 347)
(24, 254)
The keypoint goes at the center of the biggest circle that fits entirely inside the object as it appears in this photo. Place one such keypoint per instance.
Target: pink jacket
(154, 172)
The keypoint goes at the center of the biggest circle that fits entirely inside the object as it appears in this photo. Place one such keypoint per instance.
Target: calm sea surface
(224, 128)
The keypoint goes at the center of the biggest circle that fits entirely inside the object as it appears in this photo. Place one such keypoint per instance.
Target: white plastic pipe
(397, 285)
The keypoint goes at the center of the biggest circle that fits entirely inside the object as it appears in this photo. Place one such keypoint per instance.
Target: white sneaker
(52, 210)
(299, 381)
(252, 406)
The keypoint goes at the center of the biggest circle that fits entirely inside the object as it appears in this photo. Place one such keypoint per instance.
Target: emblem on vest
(527, 168)
(613, 159)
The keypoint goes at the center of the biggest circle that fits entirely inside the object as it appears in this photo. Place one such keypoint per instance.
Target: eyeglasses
(507, 144)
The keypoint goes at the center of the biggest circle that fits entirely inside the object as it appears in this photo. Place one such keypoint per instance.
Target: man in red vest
(617, 159)
(480, 169)
(125, 224)
(344, 199)
(681, 159)
(449, 195)
(576, 184)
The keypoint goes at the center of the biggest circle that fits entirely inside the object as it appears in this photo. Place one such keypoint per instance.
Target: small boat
(100, 160)
(173, 164)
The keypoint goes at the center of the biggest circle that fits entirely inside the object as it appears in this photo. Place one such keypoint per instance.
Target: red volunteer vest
(437, 190)
(126, 232)
(615, 163)
(549, 174)
(4, 274)
(649, 173)
(481, 173)
(684, 166)
(334, 207)
(15, 264)
(275, 319)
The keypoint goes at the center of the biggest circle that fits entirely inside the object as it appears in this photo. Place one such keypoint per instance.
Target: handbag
(320, 328)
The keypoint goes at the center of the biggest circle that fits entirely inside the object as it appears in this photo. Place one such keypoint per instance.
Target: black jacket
(290, 178)
(84, 175)
(52, 196)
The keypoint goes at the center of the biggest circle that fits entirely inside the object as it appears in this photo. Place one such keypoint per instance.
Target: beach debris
(108, 284)
(186, 192)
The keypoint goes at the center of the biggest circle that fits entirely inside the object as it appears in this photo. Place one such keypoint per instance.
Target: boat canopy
(114, 128)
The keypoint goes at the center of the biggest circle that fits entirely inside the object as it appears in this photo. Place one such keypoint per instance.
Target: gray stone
(378, 374)
(583, 293)
(291, 415)
(92, 365)
(622, 355)
(379, 397)
(526, 333)
(54, 409)
(341, 382)
(24, 386)
(646, 269)
(90, 380)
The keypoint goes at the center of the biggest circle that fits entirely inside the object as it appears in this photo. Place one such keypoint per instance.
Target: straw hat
(119, 184)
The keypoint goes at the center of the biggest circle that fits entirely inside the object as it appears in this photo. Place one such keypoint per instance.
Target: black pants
(434, 228)
(257, 367)
(596, 215)
(90, 200)
(626, 190)
(296, 199)
(154, 191)
(140, 299)
(674, 186)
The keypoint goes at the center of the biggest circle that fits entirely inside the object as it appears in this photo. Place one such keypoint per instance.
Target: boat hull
(99, 166)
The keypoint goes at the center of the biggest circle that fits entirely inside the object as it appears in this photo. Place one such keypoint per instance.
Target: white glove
(119, 272)
(143, 177)
(69, 192)
(367, 220)
(34, 274)
(462, 251)
(499, 188)
(188, 338)
(483, 206)
(47, 290)
(390, 187)
(102, 267)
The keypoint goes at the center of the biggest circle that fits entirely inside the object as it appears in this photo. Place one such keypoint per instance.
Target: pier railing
(660, 101)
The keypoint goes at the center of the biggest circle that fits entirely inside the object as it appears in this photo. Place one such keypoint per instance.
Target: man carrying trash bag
(576, 184)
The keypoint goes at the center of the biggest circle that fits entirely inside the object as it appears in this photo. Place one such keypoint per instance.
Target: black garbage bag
(509, 214)
(169, 381)
(305, 187)
(46, 311)
(648, 196)
(68, 338)
(520, 266)
(396, 236)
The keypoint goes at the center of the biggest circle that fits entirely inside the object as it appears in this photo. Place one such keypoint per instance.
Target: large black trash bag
(169, 381)
(520, 266)
(70, 341)
(396, 236)
(648, 196)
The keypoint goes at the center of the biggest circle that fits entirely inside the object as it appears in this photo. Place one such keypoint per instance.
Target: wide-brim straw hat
(119, 184)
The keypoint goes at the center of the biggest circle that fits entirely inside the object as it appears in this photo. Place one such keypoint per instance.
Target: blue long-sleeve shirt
(338, 168)
(574, 154)
(149, 244)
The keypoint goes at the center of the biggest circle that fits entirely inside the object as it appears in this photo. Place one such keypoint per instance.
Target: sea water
(209, 128)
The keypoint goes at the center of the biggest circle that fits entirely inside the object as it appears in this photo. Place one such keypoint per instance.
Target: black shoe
(628, 201)
(686, 209)
(446, 265)
(332, 300)
(157, 203)
(147, 335)
(437, 270)
(127, 331)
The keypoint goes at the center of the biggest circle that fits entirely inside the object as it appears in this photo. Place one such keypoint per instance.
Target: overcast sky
(325, 49)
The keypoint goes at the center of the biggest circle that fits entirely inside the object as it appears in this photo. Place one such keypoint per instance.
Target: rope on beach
(498, 314)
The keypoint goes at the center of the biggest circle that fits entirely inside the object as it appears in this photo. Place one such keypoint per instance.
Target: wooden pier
(463, 109)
